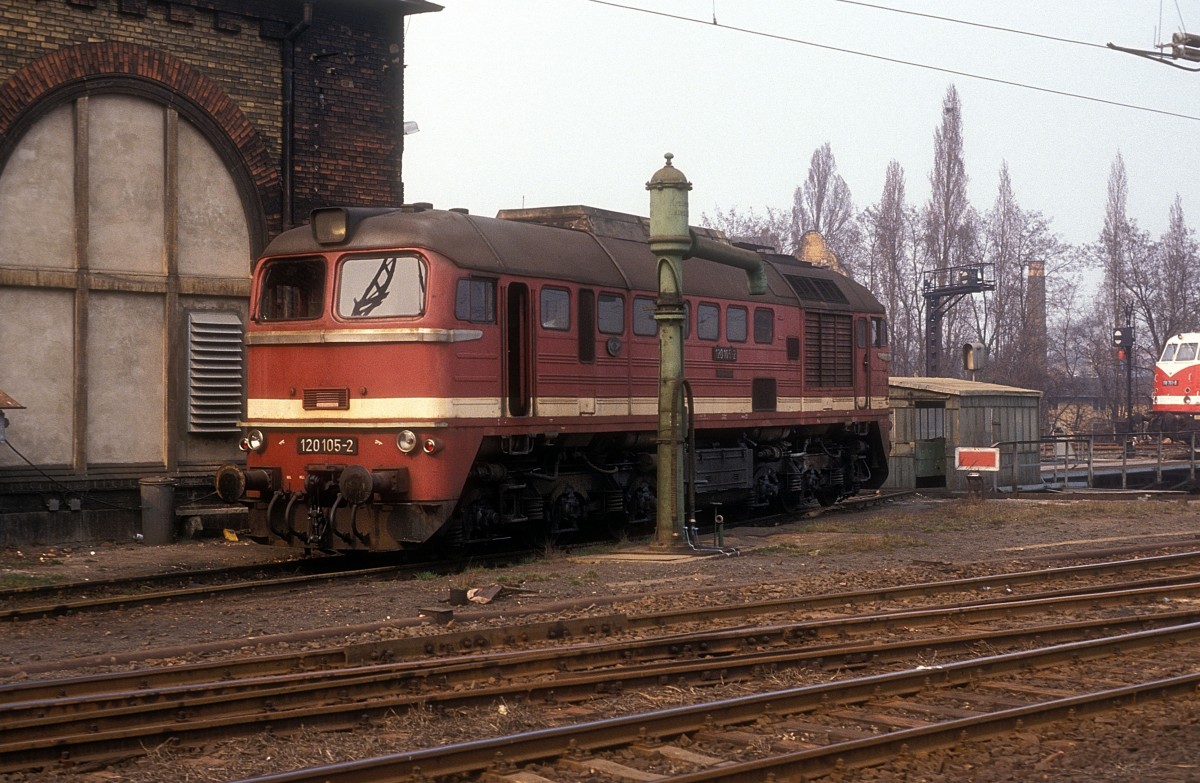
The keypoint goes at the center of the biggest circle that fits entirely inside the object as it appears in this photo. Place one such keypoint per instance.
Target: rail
(1064, 461)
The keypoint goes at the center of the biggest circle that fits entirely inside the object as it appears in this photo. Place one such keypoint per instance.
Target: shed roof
(956, 387)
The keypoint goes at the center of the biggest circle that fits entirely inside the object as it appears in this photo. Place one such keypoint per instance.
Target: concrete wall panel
(126, 166)
(214, 237)
(37, 203)
(125, 379)
(35, 369)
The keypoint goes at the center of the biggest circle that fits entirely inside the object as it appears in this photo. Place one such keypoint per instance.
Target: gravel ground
(914, 539)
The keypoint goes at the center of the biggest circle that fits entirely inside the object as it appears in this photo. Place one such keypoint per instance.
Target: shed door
(930, 437)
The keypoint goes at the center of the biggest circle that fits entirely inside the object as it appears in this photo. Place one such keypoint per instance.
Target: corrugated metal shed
(933, 416)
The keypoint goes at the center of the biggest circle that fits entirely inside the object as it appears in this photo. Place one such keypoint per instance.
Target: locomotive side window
(381, 287)
(708, 321)
(1187, 352)
(475, 300)
(644, 324)
(879, 335)
(736, 324)
(293, 290)
(610, 314)
(860, 332)
(764, 325)
(556, 309)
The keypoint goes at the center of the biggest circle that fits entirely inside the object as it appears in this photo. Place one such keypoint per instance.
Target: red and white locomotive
(1176, 397)
(419, 376)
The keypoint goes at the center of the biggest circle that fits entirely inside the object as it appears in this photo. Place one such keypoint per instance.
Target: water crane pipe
(672, 240)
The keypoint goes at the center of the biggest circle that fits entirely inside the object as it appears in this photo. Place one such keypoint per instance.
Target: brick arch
(128, 68)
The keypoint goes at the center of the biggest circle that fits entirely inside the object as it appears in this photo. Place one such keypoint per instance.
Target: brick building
(148, 151)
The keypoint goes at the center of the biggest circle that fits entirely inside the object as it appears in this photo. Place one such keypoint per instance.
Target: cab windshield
(292, 290)
(381, 286)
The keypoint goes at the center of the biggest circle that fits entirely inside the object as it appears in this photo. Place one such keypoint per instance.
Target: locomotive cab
(1176, 397)
(344, 400)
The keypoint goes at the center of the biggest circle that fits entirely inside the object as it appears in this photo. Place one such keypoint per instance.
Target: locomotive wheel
(641, 502)
(827, 497)
(565, 510)
(792, 502)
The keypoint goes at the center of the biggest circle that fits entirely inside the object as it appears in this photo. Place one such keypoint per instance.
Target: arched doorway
(126, 238)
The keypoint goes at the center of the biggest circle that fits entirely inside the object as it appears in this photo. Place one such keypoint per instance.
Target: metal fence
(1065, 461)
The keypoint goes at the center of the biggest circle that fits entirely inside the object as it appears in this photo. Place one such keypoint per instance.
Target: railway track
(811, 731)
(108, 716)
(115, 594)
(32, 603)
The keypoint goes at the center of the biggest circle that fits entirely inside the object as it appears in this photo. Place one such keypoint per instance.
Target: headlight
(254, 441)
(406, 441)
(330, 225)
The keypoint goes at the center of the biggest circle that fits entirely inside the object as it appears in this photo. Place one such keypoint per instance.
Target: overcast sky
(552, 102)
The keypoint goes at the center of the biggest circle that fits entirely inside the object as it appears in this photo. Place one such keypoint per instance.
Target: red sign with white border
(976, 458)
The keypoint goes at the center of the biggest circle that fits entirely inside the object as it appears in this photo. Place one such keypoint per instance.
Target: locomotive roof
(577, 244)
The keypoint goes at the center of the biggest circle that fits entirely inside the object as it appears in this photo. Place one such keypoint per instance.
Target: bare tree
(1080, 369)
(946, 213)
(1027, 259)
(1169, 303)
(890, 268)
(823, 204)
(772, 229)
(949, 221)
(1115, 241)
(1134, 278)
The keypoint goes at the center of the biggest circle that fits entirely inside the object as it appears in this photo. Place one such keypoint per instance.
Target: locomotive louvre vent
(828, 349)
(326, 399)
(215, 369)
(817, 289)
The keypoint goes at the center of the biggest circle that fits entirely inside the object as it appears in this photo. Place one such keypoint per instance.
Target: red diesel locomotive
(1176, 398)
(428, 377)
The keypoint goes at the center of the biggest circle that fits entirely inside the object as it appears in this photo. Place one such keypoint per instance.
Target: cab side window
(293, 290)
(475, 300)
(879, 335)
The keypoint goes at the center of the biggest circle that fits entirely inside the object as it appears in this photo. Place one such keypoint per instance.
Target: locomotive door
(862, 369)
(518, 377)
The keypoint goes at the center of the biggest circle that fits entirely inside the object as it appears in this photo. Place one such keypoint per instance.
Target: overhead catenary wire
(898, 61)
(952, 20)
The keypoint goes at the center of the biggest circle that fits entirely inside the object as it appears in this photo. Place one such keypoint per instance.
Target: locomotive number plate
(327, 445)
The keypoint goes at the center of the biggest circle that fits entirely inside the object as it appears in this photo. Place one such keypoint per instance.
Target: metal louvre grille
(215, 372)
(326, 399)
(828, 352)
(817, 289)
